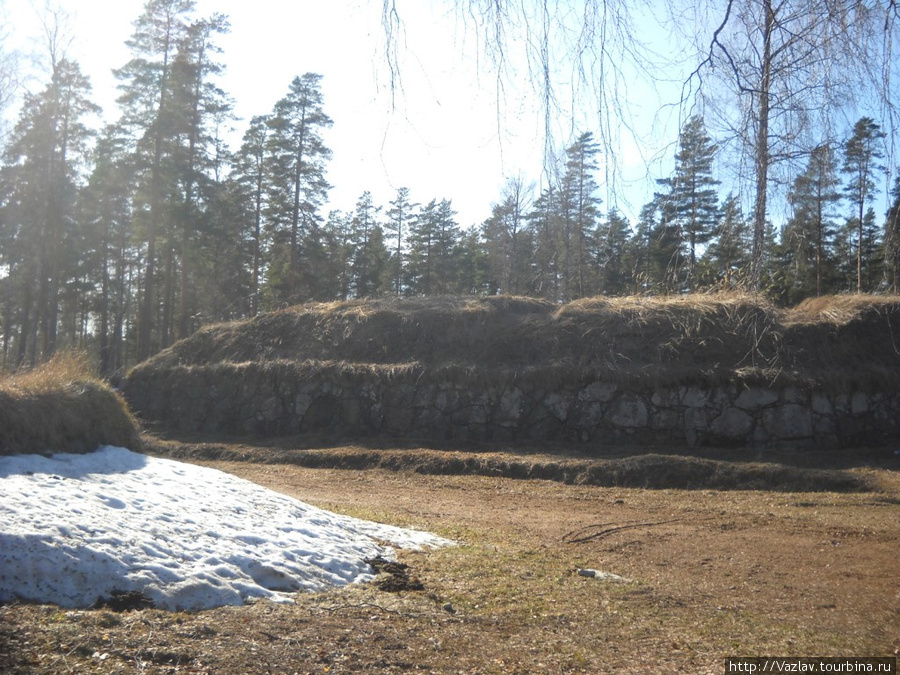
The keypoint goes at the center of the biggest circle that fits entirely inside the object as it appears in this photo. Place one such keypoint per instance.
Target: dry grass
(836, 342)
(841, 309)
(62, 407)
(713, 574)
(654, 468)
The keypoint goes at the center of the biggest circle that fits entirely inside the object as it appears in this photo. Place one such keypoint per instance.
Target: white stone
(604, 576)
(629, 411)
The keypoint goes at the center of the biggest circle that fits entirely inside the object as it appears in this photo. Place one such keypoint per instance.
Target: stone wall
(410, 402)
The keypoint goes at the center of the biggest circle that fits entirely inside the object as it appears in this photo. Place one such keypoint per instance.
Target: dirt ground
(706, 574)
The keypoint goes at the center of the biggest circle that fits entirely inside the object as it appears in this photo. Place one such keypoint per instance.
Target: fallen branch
(579, 536)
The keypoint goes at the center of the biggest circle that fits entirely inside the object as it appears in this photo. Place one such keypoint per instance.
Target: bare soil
(708, 574)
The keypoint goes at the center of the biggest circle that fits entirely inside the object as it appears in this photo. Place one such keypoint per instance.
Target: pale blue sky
(447, 132)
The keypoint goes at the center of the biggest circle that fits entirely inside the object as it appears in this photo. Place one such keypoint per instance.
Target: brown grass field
(711, 573)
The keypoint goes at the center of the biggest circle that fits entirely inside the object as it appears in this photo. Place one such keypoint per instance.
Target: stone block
(789, 421)
(302, 402)
(792, 395)
(558, 405)
(732, 423)
(509, 408)
(601, 392)
(694, 397)
(665, 397)
(821, 405)
(665, 419)
(270, 410)
(695, 418)
(628, 411)
(755, 398)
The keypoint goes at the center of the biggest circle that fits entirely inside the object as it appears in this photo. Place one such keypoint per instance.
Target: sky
(445, 131)
(76, 528)
(448, 128)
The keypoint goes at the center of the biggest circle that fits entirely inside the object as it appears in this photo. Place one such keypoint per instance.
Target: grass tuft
(61, 406)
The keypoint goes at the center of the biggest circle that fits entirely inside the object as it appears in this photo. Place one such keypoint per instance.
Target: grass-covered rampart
(847, 342)
(703, 370)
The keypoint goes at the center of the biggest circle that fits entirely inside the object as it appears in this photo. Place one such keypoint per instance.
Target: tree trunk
(762, 154)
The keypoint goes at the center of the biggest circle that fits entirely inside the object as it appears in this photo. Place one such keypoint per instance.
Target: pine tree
(297, 185)
(892, 239)
(41, 185)
(199, 106)
(691, 204)
(249, 175)
(507, 239)
(399, 218)
(150, 115)
(862, 153)
(106, 213)
(369, 253)
(222, 257)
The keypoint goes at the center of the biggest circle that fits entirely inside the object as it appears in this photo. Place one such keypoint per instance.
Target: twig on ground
(364, 605)
(580, 536)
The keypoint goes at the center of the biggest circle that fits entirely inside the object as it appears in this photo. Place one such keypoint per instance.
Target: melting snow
(76, 528)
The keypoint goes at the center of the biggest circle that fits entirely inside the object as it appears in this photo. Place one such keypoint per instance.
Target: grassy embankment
(62, 407)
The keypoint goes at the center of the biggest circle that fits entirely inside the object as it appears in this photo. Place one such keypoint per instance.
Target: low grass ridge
(657, 470)
(61, 406)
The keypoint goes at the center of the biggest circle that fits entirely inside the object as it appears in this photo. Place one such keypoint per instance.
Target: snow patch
(77, 528)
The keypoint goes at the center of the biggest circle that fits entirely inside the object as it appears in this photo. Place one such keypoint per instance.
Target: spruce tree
(611, 239)
(579, 211)
(545, 228)
(690, 203)
(810, 232)
(728, 256)
(666, 250)
(369, 254)
(637, 258)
